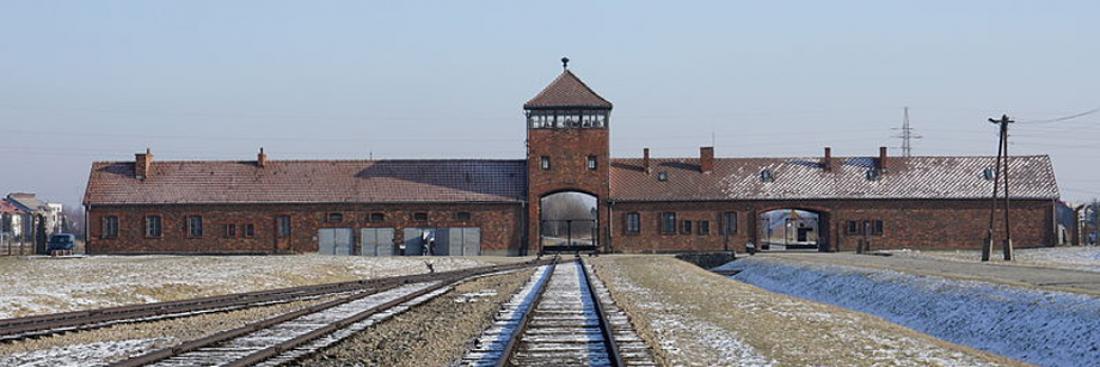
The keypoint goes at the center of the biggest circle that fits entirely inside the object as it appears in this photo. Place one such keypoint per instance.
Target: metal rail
(611, 347)
(31, 326)
(442, 279)
(605, 325)
(513, 342)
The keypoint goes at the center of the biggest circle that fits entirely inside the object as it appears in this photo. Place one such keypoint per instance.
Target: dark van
(62, 242)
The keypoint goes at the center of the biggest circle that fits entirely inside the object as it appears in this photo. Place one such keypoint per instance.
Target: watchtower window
(544, 163)
(592, 163)
(567, 119)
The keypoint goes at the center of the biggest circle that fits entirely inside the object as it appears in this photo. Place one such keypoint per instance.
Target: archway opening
(568, 221)
(790, 229)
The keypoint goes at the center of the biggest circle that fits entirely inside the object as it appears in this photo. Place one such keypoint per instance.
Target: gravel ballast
(433, 334)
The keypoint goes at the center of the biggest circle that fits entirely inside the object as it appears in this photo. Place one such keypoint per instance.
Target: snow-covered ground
(89, 354)
(43, 285)
(1041, 327)
(1077, 258)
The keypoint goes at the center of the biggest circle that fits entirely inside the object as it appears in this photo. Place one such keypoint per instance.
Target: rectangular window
(729, 224)
(153, 226)
(230, 231)
(592, 163)
(544, 163)
(668, 223)
(377, 217)
(877, 228)
(853, 227)
(462, 216)
(686, 227)
(249, 230)
(420, 217)
(282, 225)
(704, 227)
(335, 217)
(633, 223)
(110, 227)
(194, 226)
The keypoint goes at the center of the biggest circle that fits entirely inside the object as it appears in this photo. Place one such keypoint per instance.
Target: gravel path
(696, 318)
(433, 334)
(1038, 277)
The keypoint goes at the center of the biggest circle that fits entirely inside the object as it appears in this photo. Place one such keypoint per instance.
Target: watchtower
(568, 154)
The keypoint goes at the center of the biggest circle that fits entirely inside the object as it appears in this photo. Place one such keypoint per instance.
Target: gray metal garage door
(334, 241)
(376, 241)
(464, 241)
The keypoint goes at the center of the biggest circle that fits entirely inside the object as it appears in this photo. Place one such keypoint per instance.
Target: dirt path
(1046, 278)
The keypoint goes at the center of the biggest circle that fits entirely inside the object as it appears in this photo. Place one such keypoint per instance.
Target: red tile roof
(7, 207)
(804, 178)
(384, 181)
(567, 91)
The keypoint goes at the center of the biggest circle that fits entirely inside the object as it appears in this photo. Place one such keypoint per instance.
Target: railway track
(290, 336)
(36, 326)
(564, 316)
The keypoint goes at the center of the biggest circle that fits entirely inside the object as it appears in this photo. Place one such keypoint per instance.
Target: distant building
(11, 224)
(472, 207)
(36, 214)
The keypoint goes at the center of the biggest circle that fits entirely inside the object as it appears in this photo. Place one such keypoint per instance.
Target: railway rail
(564, 316)
(289, 336)
(35, 326)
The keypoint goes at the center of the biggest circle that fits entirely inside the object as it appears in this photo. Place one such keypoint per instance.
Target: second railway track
(290, 336)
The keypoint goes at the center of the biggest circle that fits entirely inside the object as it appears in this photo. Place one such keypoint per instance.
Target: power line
(1063, 118)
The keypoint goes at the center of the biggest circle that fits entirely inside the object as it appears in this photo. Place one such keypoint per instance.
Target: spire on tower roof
(567, 91)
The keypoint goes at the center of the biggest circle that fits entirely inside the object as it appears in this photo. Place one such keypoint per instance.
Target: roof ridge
(841, 157)
(411, 160)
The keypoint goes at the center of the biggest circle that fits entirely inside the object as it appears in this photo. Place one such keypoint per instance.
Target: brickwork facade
(568, 151)
(501, 226)
(912, 224)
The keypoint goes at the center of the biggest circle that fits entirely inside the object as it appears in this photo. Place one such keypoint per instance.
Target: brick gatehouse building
(569, 191)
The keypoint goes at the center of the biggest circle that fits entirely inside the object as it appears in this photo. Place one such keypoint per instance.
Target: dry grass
(694, 317)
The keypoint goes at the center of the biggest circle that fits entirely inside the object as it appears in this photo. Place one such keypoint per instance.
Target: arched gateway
(569, 221)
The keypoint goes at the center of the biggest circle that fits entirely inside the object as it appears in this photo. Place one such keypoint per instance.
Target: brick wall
(501, 226)
(914, 224)
(568, 150)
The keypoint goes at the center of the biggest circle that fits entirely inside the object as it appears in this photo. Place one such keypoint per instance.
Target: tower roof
(567, 91)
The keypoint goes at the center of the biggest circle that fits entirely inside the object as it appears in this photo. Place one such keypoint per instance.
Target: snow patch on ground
(1076, 258)
(80, 355)
(39, 286)
(1040, 327)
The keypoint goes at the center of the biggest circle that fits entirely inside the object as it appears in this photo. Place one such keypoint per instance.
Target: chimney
(706, 159)
(143, 164)
(827, 163)
(261, 158)
(645, 160)
(883, 163)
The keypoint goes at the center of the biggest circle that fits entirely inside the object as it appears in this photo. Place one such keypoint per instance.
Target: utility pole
(906, 136)
(1002, 165)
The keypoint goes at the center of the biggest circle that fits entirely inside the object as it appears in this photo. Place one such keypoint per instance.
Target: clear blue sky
(101, 80)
